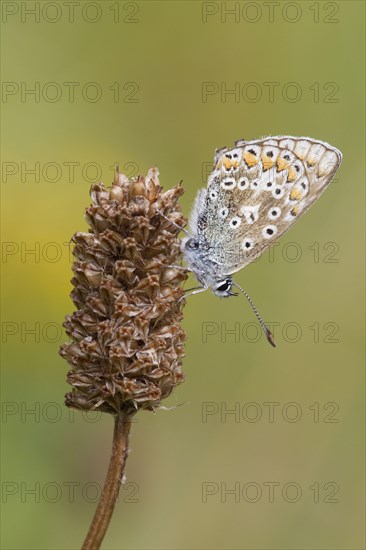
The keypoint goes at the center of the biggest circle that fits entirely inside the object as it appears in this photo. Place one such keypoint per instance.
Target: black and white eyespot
(248, 243)
(287, 156)
(254, 184)
(243, 183)
(228, 183)
(235, 222)
(213, 195)
(233, 154)
(278, 192)
(223, 213)
(274, 213)
(298, 168)
(253, 150)
(269, 231)
(303, 184)
(269, 156)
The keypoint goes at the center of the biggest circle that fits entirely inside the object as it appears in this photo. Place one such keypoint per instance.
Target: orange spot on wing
(267, 162)
(310, 160)
(227, 163)
(295, 194)
(282, 164)
(291, 176)
(250, 160)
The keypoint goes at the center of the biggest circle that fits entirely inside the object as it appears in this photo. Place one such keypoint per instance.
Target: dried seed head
(126, 344)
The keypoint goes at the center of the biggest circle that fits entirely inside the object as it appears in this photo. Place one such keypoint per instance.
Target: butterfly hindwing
(257, 191)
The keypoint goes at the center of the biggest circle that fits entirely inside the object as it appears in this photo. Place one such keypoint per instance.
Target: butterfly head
(196, 254)
(223, 288)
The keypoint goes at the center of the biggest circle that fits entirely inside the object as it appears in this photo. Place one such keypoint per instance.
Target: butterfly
(255, 193)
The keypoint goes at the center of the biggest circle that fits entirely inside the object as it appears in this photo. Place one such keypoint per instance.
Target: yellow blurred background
(163, 84)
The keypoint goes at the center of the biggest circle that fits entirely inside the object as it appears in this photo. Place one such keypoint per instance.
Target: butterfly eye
(224, 286)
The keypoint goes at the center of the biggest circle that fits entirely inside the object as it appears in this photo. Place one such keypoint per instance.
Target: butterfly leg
(193, 291)
(179, 267)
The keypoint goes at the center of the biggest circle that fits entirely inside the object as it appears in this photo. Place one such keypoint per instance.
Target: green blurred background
(161, 54)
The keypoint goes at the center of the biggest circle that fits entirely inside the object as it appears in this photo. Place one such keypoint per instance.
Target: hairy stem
(104, 511)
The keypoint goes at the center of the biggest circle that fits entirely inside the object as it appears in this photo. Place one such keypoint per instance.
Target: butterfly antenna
(266, 330)
(175, 224)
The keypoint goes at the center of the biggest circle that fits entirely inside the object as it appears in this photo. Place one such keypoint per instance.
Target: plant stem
(104, 511)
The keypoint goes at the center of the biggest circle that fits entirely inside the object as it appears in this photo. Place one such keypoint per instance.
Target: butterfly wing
(257, 191)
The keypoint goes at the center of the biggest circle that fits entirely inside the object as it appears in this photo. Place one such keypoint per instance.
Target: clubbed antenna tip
(266, 330)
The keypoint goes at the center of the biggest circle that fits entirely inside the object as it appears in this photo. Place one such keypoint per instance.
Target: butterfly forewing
(257, 191)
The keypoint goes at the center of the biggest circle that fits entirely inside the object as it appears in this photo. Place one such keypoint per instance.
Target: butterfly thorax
(197, 254)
